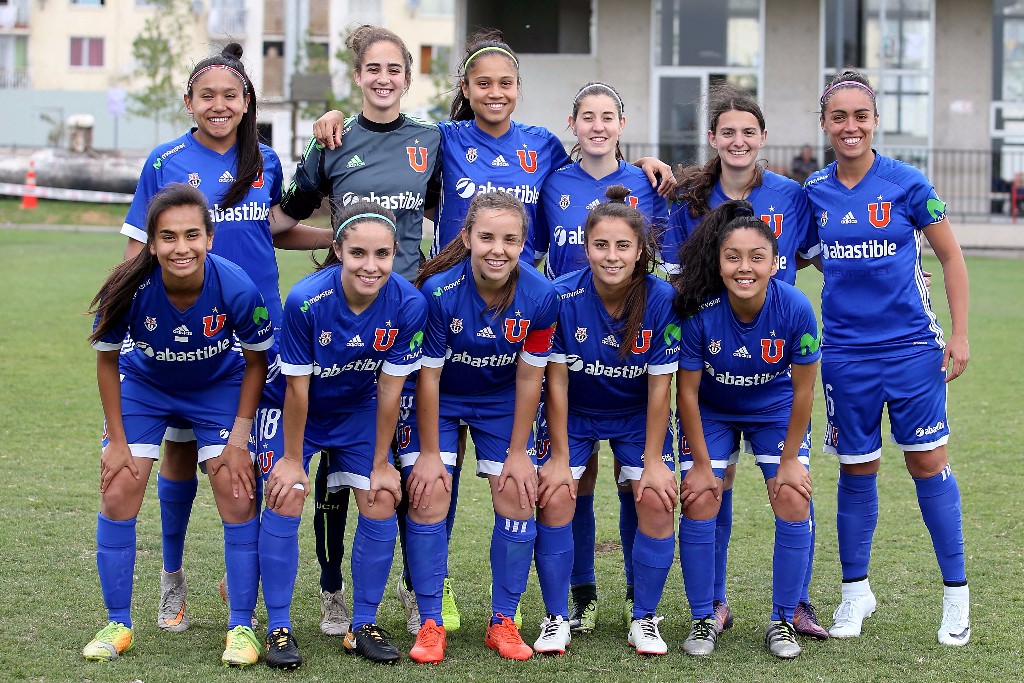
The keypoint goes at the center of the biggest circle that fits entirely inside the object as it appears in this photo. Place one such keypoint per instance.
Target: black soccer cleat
(282, 650)
(373, 643)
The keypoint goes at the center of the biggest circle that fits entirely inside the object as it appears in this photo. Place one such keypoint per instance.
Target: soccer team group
(386, 362)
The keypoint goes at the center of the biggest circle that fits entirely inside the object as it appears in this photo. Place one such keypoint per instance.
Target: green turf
(50, 602)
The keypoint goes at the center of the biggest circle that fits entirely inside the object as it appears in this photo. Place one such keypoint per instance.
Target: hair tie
(385, 219)
(742, 211)
(842, 84)
(236, 72)
(465, 64)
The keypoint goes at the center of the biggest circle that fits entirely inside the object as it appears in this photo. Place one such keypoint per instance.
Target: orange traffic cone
(30, 200)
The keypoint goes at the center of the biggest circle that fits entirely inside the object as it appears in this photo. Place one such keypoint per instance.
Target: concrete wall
(791, 68)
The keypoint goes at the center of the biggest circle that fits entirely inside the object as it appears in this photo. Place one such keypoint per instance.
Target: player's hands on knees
(551, 477)
(239, 464)
(792, 473)
(327, 129)
(697, 480)
(384, 478)
(425, 473)
(520, 469)
(115, 457)
(287, 472)
(662, 481)
(955, 356)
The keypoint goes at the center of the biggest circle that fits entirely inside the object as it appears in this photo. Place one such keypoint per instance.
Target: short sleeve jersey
(477, 348)
(874, 302)
(778, 201)
(474, 162)
(242, 231)
(176, 350)
(342, 350)
(568, 196)
(747, 365)
(397, 165)
(588, 341)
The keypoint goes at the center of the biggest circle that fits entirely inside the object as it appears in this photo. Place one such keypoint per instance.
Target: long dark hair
(631, 314)
(596, 88)
(114, 299)
(362, 37)
(486, 42)
(250, 159)
(455, 252)
(697, 182)
(701, 275)
(367, 211)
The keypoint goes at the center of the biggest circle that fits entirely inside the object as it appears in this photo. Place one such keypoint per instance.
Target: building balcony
(227, 18)
(14, 79)
(14, 16)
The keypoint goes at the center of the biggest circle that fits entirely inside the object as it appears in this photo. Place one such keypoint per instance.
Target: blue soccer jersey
(477, 347)
(474, 162)
(746, 365)
(778, 201)
(344, 351)
(588, 340)
(875, 301)
(568, 196)
(174, 349)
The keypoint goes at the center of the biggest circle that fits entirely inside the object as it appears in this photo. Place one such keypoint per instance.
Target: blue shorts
(763, 440)
(349, 439)
(267, 439)
(912, 388)
(627, 436)
(147, 411)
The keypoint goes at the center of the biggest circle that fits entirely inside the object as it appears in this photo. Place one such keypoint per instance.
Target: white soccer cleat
(645, 637)
(172, 614)
(335, 619)
(956, 617)
(554, 636)
(851, 613)
(412, 610)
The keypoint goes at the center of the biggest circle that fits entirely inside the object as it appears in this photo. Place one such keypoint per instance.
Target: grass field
(50, 602)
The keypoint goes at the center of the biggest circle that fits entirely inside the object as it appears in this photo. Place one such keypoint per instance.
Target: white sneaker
(645, 637)
(851, 613)
(703, 637)
(412, 610)
(335, 618)
(554, 636)
(956, 617)
(171, 615)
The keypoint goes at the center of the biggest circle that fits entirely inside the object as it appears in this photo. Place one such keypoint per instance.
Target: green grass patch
(50, 602)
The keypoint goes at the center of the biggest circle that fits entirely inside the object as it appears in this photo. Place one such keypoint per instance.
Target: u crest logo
(266, 461)
(878, 213)
(771, 349)
(383, 339)
(643, 342)
(417, 158)
(774, 221)
(212, 324)
(258, 183)
(528, 160)
(515, 330)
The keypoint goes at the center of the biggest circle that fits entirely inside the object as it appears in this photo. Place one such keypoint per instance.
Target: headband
(236, 72)
(358, 216)
(610, 89)
(465, 65)
(742, 211)
(843, 84)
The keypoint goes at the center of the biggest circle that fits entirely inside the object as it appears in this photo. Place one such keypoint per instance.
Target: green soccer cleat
(111, 642)
(241, 647)
(449, 609)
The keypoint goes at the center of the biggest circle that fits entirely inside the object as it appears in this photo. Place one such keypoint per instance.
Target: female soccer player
(352, 333)
(737, 135)
(488, 335)
(614, 354)
(241, 179)
(883, 346)
(393, 159)
(747, 365)
(183, 308)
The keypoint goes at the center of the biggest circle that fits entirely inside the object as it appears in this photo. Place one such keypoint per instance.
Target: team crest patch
(824, 218)
(325, 338)
(456, 325)
(581, 334)
(471, 154)
(564, 202)
(212, 324)
(193, 179)
(715, 346)
(150, 323)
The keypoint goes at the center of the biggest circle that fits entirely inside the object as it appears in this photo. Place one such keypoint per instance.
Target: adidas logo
(181, 333)
(226, 177)
(486, 333)
(594, 203)
(355, 341)
(849, 219)
(610, 340)
(355, 162)
(499, 161)
(741, 352)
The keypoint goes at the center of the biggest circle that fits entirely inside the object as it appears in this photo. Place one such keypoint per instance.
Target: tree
(160, 51)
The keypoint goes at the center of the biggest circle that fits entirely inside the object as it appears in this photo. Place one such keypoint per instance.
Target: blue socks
(241, 557)
(373, 549)
(856, 518)
(723, 532)
(584, 538)
(450, 520)
(627, 532)
(697, 558)
(426, 553)
(789, 564)
(115, 562)
(939, 498)
(553, 553)
(652, 558)
(805, 592)
(176, 498)
(279, 563)
(512, 544)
